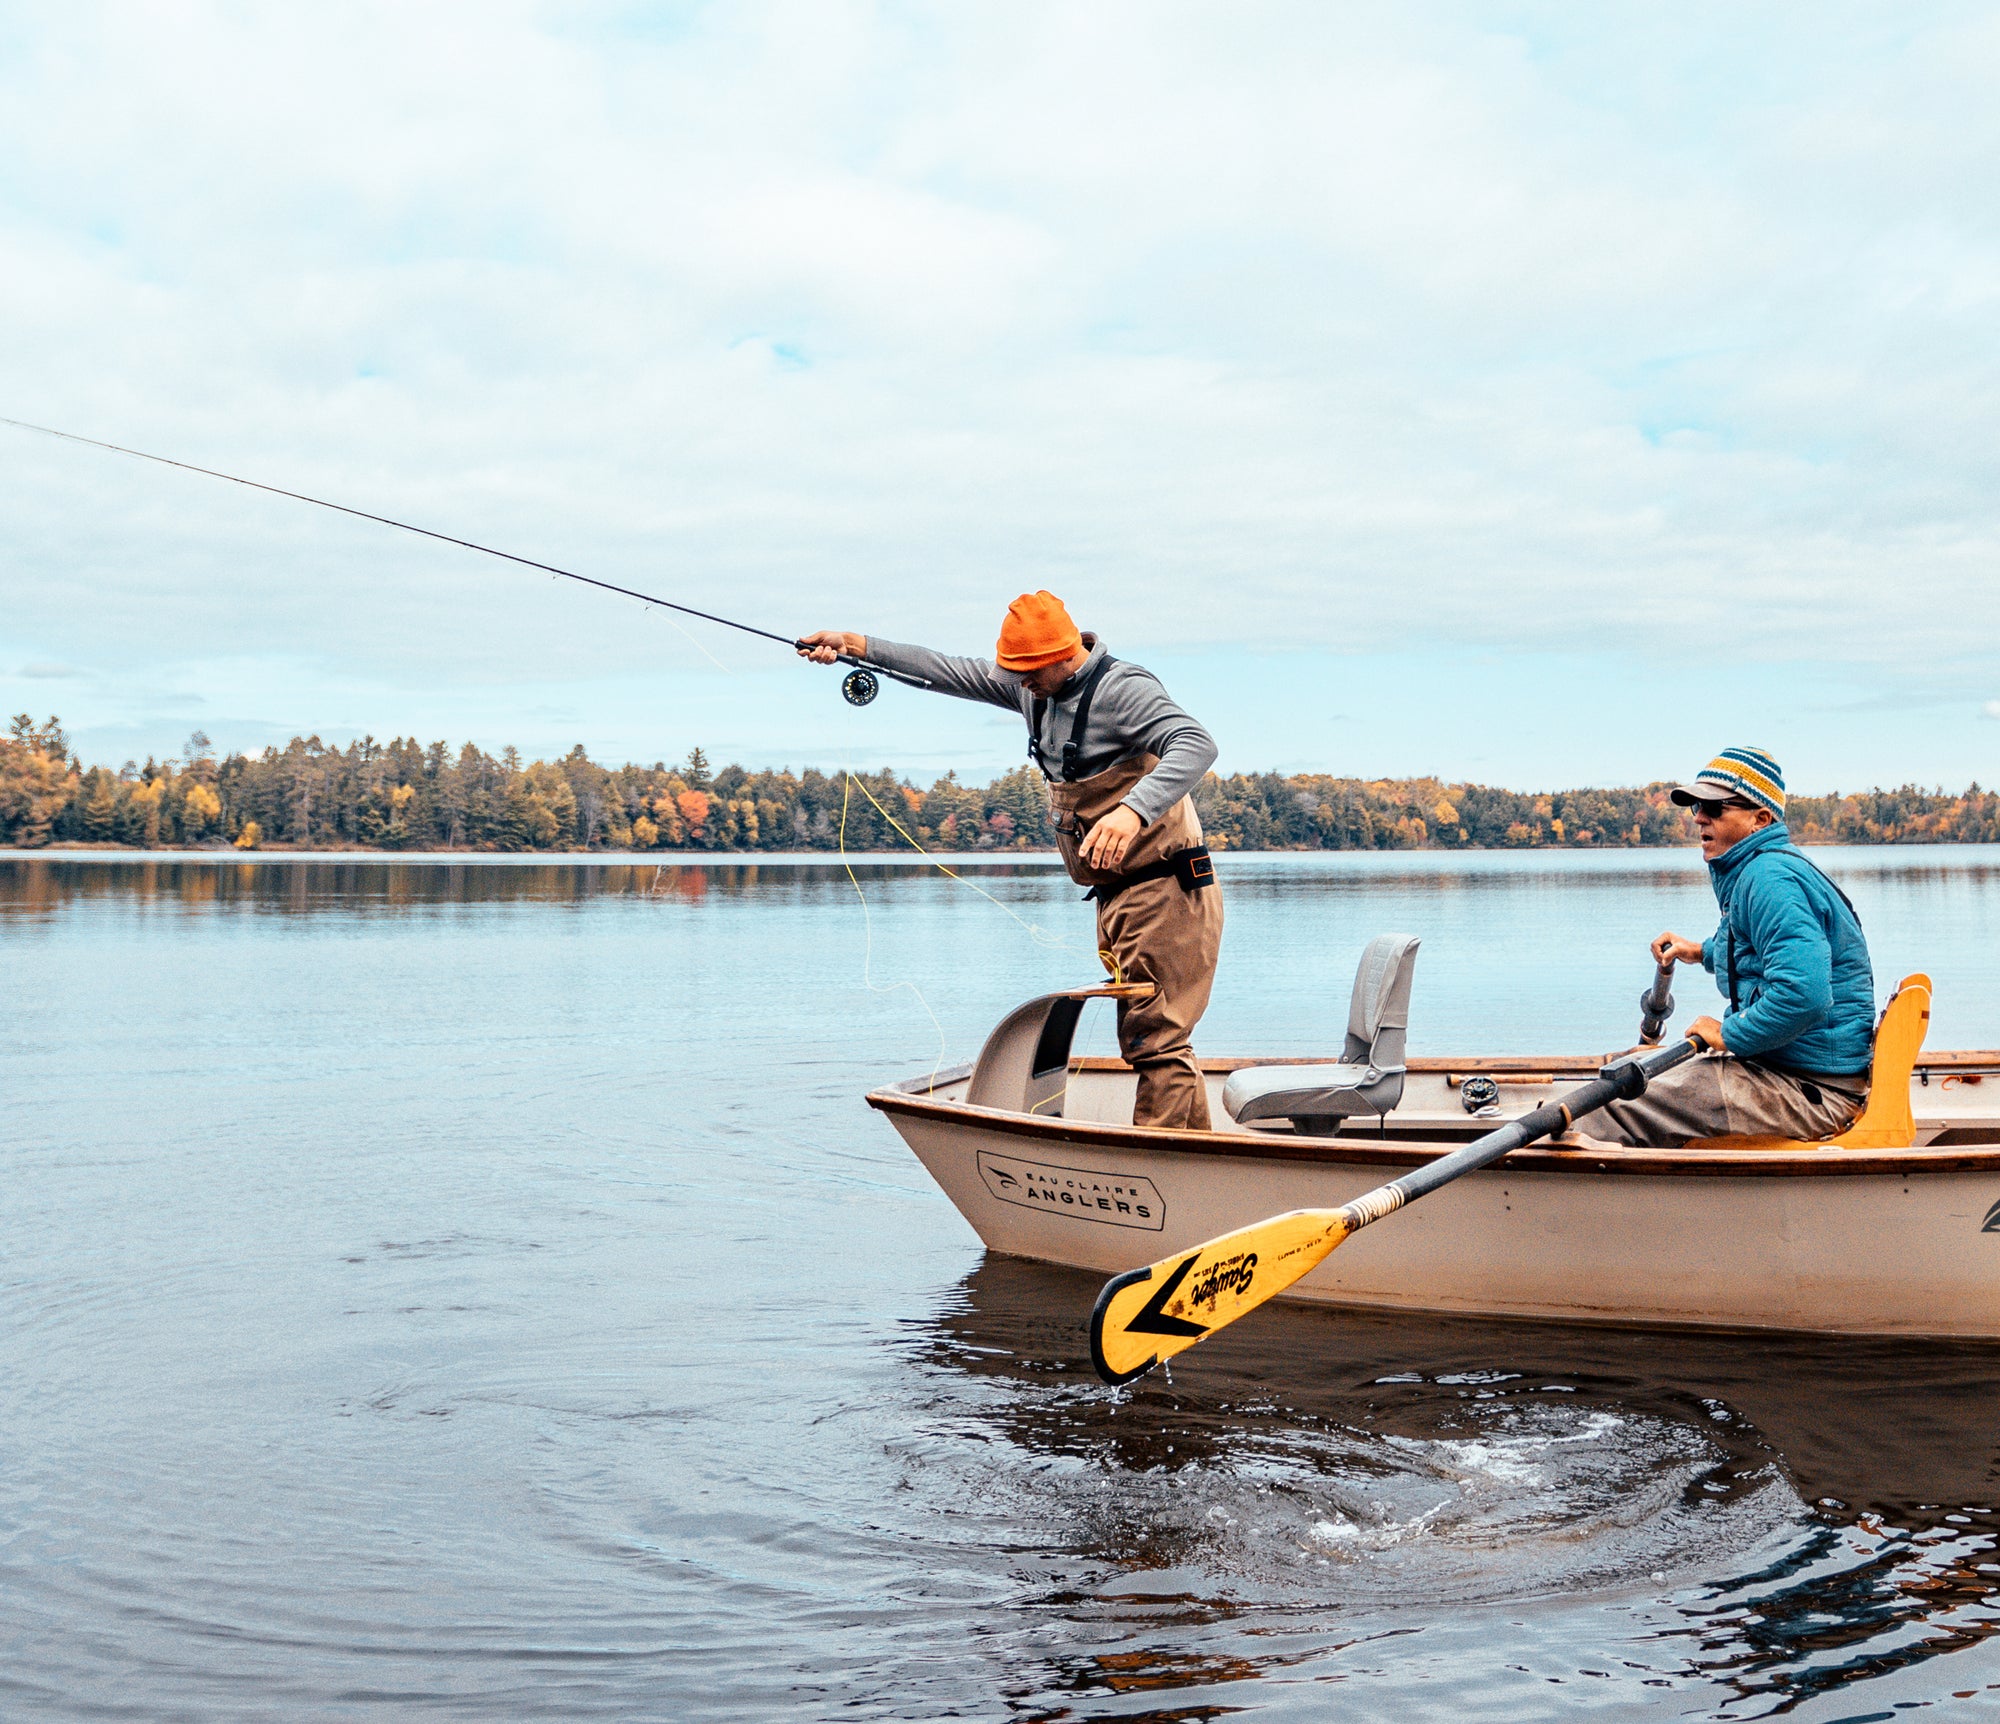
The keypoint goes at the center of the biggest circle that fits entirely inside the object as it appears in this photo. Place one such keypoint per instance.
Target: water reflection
(1821, 1511)
(404, 1266)
(375, 881)
(35, 886)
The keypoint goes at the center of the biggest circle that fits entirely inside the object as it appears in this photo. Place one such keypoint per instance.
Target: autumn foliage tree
(37, 781)
(404, 795)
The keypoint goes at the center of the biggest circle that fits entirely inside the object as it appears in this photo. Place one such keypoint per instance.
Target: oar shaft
(1622, 1079)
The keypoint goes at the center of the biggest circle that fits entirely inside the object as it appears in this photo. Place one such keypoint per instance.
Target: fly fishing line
(1036, 932)
(1040, 935)
(868, 935)
(858, 687)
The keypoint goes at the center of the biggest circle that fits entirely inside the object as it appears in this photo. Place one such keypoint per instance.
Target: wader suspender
(1191, 867)
(1817, 869)
(1072, 750)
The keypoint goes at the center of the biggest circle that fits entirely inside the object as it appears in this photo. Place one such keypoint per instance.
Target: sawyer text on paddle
(1231, 1275)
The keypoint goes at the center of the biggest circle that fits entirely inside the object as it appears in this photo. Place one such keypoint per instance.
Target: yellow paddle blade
(1150, 1314)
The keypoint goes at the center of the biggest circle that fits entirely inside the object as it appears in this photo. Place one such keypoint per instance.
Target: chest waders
(1159, 917)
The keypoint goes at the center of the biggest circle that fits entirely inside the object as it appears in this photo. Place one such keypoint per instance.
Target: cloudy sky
(1539, 394)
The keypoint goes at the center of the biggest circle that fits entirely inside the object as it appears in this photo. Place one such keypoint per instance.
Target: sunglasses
(1706, 810)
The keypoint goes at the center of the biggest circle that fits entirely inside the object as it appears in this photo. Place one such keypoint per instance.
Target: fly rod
(859, 686)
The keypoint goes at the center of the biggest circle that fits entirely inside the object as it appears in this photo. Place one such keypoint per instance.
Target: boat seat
(1369, 1075)
(1886, 1120)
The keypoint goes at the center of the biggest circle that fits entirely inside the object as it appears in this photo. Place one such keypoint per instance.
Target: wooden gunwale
(1981, 1061)
(913, 1100)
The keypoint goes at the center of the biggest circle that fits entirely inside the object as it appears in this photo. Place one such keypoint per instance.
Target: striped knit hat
(1746, 772)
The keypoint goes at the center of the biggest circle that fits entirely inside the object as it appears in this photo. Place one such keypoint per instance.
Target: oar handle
(1623, 1079)
(1656, 1005)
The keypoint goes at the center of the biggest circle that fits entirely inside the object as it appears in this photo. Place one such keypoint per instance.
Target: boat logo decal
(1992, 1222)
(1116, 1199)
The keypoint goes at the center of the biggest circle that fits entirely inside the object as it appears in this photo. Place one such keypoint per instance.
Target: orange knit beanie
(1037, 631)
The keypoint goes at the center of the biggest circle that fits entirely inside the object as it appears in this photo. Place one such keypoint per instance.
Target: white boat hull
(1835, 1241)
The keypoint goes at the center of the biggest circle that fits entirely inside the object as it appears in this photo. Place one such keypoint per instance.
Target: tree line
(405, 795)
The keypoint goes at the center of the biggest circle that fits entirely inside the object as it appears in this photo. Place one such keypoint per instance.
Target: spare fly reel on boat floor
(1479, 1095)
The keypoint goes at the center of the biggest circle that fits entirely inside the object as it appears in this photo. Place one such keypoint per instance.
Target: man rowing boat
(1790, 1054)
(1121, 760)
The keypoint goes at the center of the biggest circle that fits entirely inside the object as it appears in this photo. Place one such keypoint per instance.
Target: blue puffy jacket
(1791, 957)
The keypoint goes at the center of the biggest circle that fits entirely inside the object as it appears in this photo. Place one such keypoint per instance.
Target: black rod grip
(1656, 1005)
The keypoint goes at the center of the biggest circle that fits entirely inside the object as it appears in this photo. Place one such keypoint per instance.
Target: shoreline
(1041, 859)
(516, 858)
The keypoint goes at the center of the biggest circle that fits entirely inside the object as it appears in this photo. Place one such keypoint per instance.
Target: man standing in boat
(1122, 761)
(1790, 1055)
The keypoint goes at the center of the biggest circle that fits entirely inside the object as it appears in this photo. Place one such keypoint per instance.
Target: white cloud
(1281, 326)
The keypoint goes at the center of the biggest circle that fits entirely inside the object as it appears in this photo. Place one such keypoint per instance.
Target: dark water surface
(458, 1290)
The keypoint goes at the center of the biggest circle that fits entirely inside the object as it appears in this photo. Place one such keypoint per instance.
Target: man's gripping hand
(1104, 846)
(1707, 1031)
(825, 646)
(1672, 949)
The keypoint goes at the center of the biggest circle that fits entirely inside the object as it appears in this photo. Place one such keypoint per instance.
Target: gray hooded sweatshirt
(1130, 715)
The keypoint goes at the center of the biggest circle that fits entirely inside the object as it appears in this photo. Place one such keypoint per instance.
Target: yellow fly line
(1036, 932)
(868, 940)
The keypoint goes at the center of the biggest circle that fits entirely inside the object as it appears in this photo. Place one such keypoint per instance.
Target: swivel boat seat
(1369, 1078)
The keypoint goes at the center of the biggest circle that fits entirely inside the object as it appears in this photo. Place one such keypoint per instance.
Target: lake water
(478, 1290)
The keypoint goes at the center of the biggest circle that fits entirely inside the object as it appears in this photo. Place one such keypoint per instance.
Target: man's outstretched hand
(825, 646)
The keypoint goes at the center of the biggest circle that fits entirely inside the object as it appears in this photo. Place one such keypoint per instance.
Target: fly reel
(1479, 1094)
(858, 687)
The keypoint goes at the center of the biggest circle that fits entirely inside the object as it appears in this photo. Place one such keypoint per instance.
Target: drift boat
(1892, 1230)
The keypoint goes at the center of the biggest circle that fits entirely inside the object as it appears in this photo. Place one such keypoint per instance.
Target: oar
(1147, 1315)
